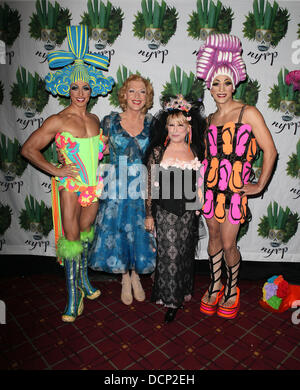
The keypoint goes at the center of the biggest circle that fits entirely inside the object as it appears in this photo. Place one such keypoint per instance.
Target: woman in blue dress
(121, 242)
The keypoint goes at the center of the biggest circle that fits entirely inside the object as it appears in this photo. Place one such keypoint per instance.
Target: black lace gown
(176, 228)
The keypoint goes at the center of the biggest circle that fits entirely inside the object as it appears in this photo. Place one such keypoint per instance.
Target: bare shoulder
(95, 118)
(251, 112)
(53, 123)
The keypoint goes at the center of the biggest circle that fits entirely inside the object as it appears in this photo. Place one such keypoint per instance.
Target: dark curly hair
(159, 132)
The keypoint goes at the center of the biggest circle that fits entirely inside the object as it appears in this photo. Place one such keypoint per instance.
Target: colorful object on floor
(278, 294)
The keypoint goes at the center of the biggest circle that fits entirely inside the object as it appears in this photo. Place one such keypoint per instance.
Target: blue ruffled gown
(121, 242)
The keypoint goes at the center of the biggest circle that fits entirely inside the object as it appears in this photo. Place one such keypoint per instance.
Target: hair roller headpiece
(221, 55)
(77, 65)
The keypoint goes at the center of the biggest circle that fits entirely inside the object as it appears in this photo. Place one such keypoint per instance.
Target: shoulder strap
(209, 119)
(241, 113)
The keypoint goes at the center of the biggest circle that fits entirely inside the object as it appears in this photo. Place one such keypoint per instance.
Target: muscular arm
(266, 143)
(37, 141)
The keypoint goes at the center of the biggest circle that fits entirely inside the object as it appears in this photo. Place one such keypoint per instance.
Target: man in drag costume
(76, 186)
(232, 134)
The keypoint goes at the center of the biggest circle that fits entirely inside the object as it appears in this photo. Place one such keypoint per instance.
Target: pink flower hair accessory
(293, 78)
(221, 55)
(178, 103)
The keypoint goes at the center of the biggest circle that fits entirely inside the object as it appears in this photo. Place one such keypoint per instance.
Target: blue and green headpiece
(77, 64)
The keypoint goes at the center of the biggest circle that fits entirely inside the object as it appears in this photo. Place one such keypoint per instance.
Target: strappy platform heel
(230, 312)
(210, 308)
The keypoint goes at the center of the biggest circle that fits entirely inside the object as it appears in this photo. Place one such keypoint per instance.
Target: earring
(190, 138)
(166, 140)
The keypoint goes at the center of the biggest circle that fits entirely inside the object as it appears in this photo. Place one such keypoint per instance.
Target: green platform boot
(89, 291)
(70, 252)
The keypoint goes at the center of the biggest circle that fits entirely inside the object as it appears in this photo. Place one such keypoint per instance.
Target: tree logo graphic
(156, 23)
(29, 93)
(293, 165)
(279, 225)
(9, 24)
(209, 18)
(5, 218)
(180, 83)
(36, 218)
(11, 163)
(104, 23)
(283, 98)
(267, 24)
(49, 23)
(247, 92)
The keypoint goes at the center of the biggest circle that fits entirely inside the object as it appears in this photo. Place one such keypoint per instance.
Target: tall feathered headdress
(77, 64)
(221, 55)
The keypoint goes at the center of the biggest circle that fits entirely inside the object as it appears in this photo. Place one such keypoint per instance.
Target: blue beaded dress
(121, 242)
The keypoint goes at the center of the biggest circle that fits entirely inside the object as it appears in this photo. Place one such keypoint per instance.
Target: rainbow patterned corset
(85, 153)
(231, 150)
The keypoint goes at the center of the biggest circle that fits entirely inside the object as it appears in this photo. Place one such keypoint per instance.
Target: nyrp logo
(285, 99)
(37, 219)
(278, 227)
(9, 28)
(209, 18)
(105, 25)
(30, 96)
(156, 24)
(266, 25)
(48, 25)
(12, 165)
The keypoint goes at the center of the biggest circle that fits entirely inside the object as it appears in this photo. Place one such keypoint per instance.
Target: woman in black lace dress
(174, 196)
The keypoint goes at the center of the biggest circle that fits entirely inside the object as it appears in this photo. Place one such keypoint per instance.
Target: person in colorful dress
(232, 135)
(76, 185)
(121, 245)
(174, 168)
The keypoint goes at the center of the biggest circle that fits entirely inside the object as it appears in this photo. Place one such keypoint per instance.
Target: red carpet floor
(112, 336)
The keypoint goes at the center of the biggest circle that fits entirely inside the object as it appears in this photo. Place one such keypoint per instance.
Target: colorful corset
(85, 153)
(231, 150)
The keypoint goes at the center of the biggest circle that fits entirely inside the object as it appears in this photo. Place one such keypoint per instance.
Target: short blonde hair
(149, 92)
